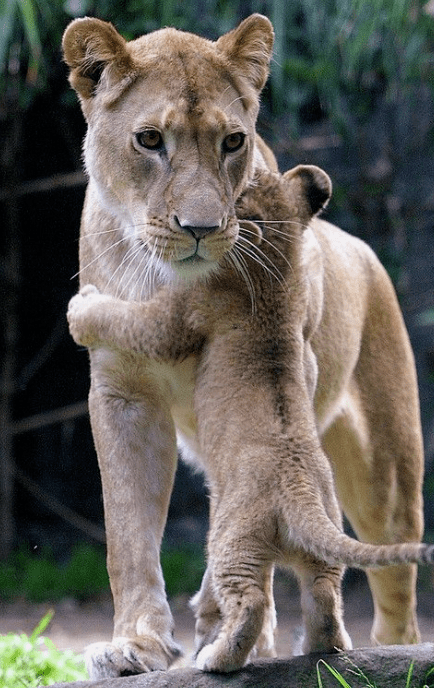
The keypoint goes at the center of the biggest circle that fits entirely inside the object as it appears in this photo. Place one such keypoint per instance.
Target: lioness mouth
(191, 260)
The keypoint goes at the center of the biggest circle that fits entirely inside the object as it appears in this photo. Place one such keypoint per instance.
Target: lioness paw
(82, 313)
(124, 657)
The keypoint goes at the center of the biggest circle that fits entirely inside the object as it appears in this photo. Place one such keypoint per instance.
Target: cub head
(274, 210)
(294, 196)
(170, 143)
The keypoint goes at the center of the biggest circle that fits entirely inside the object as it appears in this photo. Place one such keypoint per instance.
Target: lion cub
(295, 340)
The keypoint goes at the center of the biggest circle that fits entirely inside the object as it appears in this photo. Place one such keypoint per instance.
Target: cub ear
(94, 50)
(313, 184)
(249, 48)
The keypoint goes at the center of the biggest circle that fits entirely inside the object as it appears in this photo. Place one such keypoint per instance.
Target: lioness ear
(249, 48)
(314, 184)
(93, 49)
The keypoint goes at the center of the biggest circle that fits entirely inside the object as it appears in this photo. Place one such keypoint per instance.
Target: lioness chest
(331, 346)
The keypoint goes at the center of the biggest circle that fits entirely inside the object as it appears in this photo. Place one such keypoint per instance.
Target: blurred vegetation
(33, 661)
(345, 52)
(365, 65)
(38, 577)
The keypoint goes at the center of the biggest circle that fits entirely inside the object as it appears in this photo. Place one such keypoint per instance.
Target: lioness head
(171, 132)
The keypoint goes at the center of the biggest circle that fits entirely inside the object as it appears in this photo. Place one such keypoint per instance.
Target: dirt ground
(76, 625)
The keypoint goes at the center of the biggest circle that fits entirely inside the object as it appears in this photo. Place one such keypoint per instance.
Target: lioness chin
(221, 310)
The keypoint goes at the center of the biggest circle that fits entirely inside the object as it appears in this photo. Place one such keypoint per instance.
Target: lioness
(272, 342)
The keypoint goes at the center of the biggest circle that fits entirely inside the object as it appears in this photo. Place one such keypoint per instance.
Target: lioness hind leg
(321, 603)
(378, 478)
(393, 591)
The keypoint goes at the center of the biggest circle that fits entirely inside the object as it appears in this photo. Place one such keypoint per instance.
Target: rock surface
(385, 667)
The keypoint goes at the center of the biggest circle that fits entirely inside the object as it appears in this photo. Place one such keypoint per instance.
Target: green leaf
(7, 17)
(42, 625)
(340, 679)
(410, 674)
(30, 25)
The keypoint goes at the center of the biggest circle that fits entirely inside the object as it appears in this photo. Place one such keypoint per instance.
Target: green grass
(340, 681)
(367, 683)
(31, 661)
(40, 578)
(27, 662)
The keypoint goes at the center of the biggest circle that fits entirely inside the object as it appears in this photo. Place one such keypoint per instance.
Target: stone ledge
(385, 667)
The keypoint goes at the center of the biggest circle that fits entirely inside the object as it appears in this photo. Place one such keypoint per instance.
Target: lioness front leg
(136, 448)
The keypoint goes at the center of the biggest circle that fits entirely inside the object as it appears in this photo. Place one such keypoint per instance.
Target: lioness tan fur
(270, 342)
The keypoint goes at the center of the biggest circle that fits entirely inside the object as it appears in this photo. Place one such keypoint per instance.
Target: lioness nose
(198, 232)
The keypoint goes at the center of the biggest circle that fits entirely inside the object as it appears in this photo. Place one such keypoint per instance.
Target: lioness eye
(150, 139)
(233, 142)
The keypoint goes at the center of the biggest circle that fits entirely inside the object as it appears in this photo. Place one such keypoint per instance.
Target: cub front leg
(97, 320)
(157, 328)
(135, 442)
(84, 315)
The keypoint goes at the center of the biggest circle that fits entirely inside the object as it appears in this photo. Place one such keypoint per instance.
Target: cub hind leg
(238, 578)
(209, 618)
(378, 474)
(321, 604)
(232, 605)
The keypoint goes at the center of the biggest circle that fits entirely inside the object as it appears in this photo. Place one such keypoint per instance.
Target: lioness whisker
(157, 256)
(147, 276)
(251, 251)
(151, 270)
(289, 235)
(123, 265)
(130, 260)
(254, 250)
(146, 267)
(270, 243)
(282, 222)
(104, 231)
(282, 255)
(240, 265)
(96, 259)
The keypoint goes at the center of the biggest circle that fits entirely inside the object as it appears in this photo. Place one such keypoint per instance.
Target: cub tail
(335, 547)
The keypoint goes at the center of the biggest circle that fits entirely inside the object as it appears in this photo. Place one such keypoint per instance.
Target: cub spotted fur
(218, 307)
